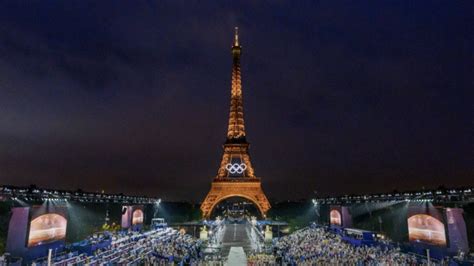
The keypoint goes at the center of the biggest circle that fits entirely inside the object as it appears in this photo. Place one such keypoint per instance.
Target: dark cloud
(133, 96)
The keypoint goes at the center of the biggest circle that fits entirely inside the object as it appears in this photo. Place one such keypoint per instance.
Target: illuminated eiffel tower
(235, 177)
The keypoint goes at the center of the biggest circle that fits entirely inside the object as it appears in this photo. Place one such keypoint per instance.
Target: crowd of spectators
(312, 245)
(318, 246)
(164, 246)
(261, 259)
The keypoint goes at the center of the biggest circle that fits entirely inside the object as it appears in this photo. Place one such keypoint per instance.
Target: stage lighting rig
(454, 195)
(40, 195)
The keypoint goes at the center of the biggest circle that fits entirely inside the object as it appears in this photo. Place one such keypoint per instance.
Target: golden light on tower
(235, 177)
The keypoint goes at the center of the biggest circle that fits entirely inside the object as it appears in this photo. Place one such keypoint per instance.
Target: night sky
(340, 96)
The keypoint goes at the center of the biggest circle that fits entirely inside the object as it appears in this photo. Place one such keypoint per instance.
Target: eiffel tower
(236, 176)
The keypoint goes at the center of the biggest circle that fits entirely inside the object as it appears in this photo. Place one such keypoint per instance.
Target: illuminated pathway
(239, 235)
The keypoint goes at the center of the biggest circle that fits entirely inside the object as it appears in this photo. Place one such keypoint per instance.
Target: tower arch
(255, 203)
(220, 191)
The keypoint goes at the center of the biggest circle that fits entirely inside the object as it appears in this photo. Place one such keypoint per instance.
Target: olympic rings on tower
(236, 168)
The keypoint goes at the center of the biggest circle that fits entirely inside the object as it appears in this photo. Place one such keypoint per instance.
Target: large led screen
(335, 217)
(137, 217)
(132, 215)
(126, 216)
(426, 229)
(47, 228)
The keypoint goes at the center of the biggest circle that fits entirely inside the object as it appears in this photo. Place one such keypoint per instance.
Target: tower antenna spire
(236, 39)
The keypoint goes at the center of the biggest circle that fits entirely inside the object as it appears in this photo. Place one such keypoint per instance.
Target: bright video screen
(426, 229)
(335, 217)
(47, 228)
(137, 217)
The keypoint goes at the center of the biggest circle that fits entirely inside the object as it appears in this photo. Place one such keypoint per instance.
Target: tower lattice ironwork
(236, 176)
